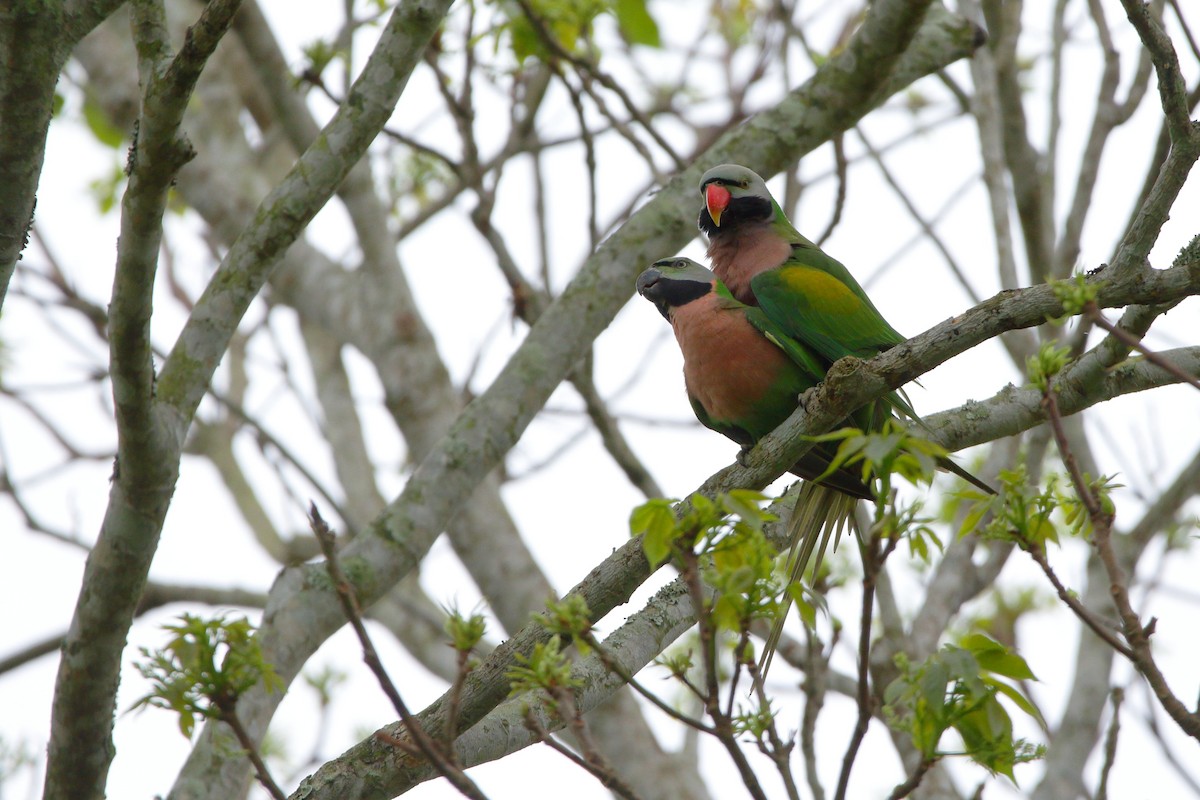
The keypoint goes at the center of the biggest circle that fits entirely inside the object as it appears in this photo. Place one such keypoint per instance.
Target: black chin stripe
(741, 210)
(676, 293)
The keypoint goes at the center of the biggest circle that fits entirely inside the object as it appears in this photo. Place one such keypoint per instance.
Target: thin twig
(589, 70)
(1110, 742)
(229, 717)
(1137, 635)
(839, 202)
(780, 752)
(1086, 616)
(711, 697)
(873, 558)
(600, 769)
(815, 677)
(617, 668)
(443, 761)
(1093, 313)
(913, 781)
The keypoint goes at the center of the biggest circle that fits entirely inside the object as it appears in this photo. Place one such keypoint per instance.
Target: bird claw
(804, 397)
(743, 456)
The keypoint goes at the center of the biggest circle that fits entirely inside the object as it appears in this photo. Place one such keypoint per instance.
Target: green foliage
(728, 530)
(419, 176)
(757, 721)
(546, 668)
(1048, 362)
(107, 189)
(568, 24)
(734, 20)
(1074, 294)
(678, 661)
(465, 632)
(1075, 511)
(101, 126)
(654, 520)
(1018, 512)
(959, 688)
(635, 23)
(742, 573)
(319, 55)
(1024, 515)
(324, 681)
(568, 617)
(922, 540)
(892, 450)
(204, 668)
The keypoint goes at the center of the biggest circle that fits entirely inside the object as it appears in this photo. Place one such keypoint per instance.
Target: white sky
(1145, 437)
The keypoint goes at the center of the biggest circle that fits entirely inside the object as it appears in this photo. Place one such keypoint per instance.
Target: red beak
(716, 198)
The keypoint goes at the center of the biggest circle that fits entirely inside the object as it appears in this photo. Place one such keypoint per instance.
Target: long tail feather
(978, 483)
(821, 514)
(898, 401)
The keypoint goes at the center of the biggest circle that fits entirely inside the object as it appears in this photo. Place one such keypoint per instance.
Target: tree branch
(148, 451)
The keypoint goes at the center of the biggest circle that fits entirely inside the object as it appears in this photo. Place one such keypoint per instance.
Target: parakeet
(765, 262)
(744, 376)
(812, 298)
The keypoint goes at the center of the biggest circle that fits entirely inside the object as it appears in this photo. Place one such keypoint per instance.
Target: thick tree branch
(303, 613)
(611, 583)
(147, 464)
(35, 41)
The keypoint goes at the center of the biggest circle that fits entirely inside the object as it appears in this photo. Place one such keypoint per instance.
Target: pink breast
(727, 364)
(738, 257)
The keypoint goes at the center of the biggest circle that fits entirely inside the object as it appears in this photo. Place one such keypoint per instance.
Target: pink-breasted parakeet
(744, 377)
(765, 262)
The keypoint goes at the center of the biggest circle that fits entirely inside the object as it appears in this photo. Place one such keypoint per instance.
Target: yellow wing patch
(820, 288)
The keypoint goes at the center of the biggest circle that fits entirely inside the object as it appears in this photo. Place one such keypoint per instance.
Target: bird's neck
(740, 253)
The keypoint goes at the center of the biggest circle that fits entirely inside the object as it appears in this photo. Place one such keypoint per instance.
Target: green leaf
(1012, 693)
(998, 659)
(101, 126)
(636, 24)
(655, 521)
(657, 547)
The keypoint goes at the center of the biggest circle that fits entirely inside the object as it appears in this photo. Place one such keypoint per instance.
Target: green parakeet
(810, 297)
(744, 376)
(765, 262)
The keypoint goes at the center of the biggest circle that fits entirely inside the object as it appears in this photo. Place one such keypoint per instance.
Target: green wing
(804, 358)
(815, 300)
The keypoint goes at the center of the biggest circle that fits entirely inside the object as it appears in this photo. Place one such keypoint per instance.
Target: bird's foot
(743, 456)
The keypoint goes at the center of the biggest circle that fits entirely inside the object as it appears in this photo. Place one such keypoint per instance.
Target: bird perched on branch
(765, 262)
(811, 297)
(763, 326)
(744, 377)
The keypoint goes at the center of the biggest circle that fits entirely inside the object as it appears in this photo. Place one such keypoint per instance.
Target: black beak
(647, 280)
